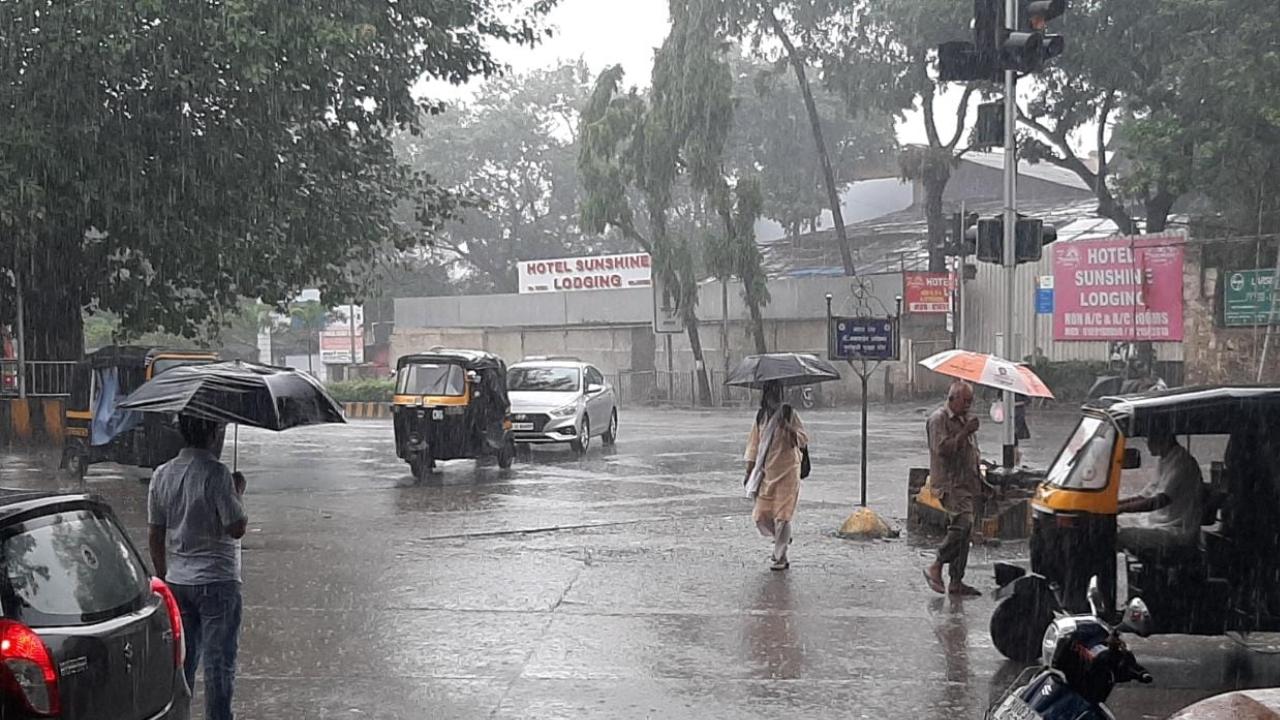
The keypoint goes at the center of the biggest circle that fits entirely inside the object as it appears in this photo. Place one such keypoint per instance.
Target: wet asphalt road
(629, 584)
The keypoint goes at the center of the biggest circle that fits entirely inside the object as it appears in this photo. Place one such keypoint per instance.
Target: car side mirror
(1096, 601)
(1137, 619)
(594, 389)
(1132, 459)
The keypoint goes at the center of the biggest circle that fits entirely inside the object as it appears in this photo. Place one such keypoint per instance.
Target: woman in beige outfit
(774, 452)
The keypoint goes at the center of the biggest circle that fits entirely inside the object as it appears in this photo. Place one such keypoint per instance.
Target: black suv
(85, 632)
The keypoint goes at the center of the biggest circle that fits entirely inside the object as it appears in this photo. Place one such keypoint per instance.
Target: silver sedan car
(561, 401)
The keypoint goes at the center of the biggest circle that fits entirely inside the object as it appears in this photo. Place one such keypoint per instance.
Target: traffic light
(962, 236)
(1029, 48)
(996, 49)
(1030, 235)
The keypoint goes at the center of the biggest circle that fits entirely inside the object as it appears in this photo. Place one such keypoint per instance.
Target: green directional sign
(1248, 297)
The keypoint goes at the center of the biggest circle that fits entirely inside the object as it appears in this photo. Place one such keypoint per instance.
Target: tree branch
(930, 123)
(1104, 114)
(1068, 159)
(962, 115)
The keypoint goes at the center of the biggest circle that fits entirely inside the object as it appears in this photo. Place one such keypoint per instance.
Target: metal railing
(678, 388)
(44, 378)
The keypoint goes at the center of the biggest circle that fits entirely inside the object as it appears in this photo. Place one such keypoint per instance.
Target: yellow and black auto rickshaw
(449, 405)
(97, 432)
(1222, 580)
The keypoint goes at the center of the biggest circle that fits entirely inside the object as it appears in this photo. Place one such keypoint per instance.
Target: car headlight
(1049, 644)
(566, 411)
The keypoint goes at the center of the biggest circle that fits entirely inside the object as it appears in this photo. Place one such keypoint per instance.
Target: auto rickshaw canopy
(478, 360)
(1192, 410)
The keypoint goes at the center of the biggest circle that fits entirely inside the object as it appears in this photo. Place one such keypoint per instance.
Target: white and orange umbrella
(989, 370)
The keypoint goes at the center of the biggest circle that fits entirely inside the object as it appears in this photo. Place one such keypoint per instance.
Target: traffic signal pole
(1010, 223)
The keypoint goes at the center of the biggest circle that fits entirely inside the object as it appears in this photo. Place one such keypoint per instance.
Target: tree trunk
(1157, 209)
(1115, 212)
(695, 344)
(815, 122)
(757, 327)
(52, 282)
(936, 222)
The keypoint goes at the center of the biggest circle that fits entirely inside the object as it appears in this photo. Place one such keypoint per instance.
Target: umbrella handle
(235, 449)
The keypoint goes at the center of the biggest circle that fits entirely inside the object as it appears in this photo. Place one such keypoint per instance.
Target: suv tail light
(175, 620)
(27, 671)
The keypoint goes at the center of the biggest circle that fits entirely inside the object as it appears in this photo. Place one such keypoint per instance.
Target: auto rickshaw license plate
(437, 414)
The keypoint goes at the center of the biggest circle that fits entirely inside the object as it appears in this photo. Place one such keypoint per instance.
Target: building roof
(899, 240)
(1047, 172)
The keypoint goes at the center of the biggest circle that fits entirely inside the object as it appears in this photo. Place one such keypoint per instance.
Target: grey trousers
(955, 548)
(781, 532)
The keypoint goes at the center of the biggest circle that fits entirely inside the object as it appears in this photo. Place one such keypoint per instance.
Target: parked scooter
(1083, 659)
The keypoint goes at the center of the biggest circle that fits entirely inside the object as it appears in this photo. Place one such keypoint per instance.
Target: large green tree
(692, 111)
(162, 160)
(511, 156)
(627, 160)
(879, 55)
(1172, 98)
(772, 137)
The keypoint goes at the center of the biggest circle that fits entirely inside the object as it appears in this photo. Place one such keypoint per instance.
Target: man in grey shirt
(196, 520)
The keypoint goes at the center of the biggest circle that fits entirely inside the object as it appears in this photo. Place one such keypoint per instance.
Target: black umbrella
(238, 392)
(786, 368)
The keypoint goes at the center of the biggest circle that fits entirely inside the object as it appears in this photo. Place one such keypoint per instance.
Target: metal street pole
(21, 328)
(351, 312)
(1010, 221)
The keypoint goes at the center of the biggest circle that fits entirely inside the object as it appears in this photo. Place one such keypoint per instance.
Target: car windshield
(1085, 460)
(70, 568)
(162, 364)
(544, 379)
(437, 379)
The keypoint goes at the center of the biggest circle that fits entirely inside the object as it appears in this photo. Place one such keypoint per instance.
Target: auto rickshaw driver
(1173, 501)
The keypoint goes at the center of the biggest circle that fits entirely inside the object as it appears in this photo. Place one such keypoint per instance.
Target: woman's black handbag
(805, 467)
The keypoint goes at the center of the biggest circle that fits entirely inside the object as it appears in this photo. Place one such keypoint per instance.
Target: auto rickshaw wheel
(76, 463)
(583, 443)
(1018, 624)
(421, 466)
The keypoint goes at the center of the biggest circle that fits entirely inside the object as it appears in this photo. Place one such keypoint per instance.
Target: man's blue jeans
(211, 626)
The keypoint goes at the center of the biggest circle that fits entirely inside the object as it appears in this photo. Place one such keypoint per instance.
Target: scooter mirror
(1137, 619)
(1096, 602)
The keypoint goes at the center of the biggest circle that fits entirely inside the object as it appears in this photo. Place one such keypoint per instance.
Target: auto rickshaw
(1225, 581)
(96, 432)
(449, 405)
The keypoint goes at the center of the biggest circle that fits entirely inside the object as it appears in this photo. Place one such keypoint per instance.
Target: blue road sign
(863, 338)
(1044, 301)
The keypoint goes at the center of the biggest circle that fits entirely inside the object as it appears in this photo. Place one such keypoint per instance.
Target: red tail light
(28, 671)
(175, 620)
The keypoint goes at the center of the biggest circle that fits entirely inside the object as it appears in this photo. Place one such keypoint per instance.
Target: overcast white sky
(611, 32)
(626, 32)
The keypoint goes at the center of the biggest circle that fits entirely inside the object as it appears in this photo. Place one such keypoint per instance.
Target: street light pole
(21, 327)
(1010, 223)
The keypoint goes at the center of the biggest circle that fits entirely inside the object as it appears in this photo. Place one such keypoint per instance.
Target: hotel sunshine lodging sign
(604, 272)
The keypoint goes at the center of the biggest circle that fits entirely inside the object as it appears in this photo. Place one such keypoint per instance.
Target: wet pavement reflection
(626, 584)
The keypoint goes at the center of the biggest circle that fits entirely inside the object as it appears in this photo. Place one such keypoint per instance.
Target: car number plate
(1014, 708)
(521, 426)
(437, 414)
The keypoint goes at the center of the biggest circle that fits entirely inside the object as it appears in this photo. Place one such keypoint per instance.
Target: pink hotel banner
(1122, 289)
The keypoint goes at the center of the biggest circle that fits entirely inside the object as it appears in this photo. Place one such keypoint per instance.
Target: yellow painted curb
(366, 410)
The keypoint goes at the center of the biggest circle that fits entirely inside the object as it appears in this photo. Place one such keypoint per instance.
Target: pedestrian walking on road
(954, 476)
(196, 519)
(775, 450)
